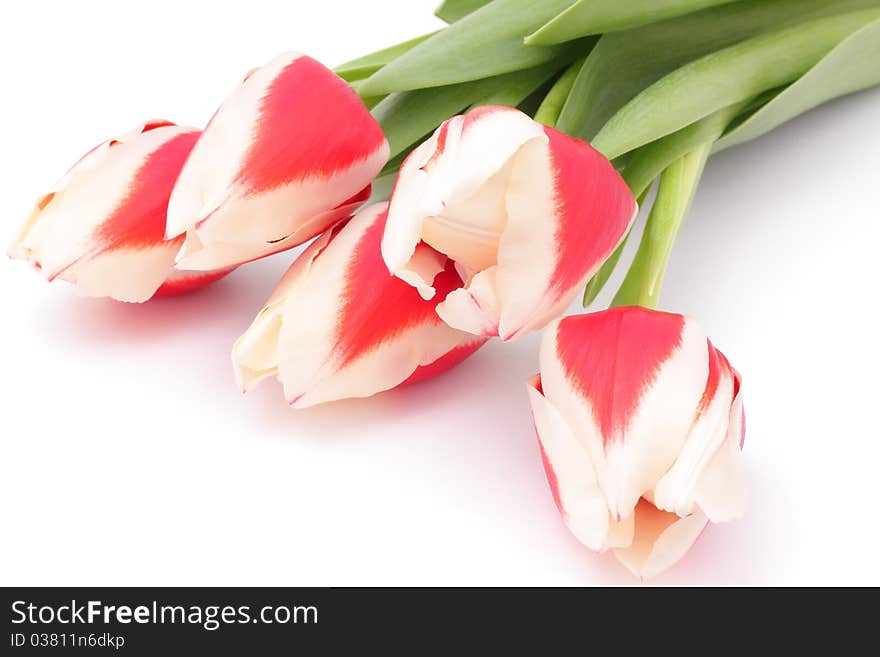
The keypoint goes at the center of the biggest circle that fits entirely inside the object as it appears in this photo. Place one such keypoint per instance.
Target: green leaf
(587, 17)
(409, 116)
(625, 63)
(852, 66)
(645, 164)
(725, 77)
(520, 85)
(551, 106)
(454, 10)
(369, 101)
(649, 161)
(643, 281)
(382, 188)
(483, 44)
(363, 67)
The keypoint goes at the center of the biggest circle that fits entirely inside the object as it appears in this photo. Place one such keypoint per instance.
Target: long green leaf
(648, 162)
(454, 10)
(483, 44)
(363, 67)
(676, 192)
(852, 66)
(625, 63)
(409, 116)
(728, 76)
(521, 85)
(588, 17)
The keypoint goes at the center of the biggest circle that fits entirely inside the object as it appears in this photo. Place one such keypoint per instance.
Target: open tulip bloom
(526, 213)
(640, 423)
(340, 326)
(102, 226)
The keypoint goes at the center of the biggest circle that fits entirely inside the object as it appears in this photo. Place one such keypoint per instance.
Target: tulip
(291, 152)
(527, 214)
(640, 423)
(339, 325)
(102, 227)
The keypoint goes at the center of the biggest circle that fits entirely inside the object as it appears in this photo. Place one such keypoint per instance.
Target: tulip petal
(585, 208)
(184, 282)
(661, 539)
(631, 408)
(255, 354)
(474, 308)
(531, 212)
(442, 177)
(290, 144)
(339, 325)
(721, 491)
(446, 362)
(572, 478)
(103, 225)
(676, 491)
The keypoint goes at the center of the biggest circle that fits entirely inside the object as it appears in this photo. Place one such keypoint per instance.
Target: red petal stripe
(139, 219)
(551, 478)
(379, 306)
(187, 284)
(444, 363)
(718, 365)
(594, 209)
(310, 123)
(613, 356)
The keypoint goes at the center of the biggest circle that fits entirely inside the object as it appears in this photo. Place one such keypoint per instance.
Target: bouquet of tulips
(471, 184)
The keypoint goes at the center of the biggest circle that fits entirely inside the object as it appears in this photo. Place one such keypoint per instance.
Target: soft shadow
(228, 305)
(485, 386)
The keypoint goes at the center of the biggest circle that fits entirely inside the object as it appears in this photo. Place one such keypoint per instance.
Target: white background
(129, 456)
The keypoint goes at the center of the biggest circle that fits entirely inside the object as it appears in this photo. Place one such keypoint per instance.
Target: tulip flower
(102, 227)
(339, 325)
(291, 152)
(526, 213)
(640, 422)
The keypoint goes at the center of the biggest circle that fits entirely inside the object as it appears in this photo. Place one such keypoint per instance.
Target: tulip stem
(678, 184)
(551, 107)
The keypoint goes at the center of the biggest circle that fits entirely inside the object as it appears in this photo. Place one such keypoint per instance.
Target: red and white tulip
(291, 152)
(102, 227)
(340, 326)
(640, 423)
(527, 214)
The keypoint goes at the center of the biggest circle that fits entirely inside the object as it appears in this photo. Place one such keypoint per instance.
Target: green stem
(551, 107)
(678, 184)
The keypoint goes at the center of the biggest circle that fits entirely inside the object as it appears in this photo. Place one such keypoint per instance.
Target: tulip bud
(103, 225)
(527, 213)
(339, 325)
(292, 151)
(640, 423)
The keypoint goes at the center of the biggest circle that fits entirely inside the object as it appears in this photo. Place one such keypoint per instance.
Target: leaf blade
(407, 117)
(589, 17)
(623, 64)
(852, 66)
(731, 75)
(483, 44)
(454, 10)
(363, 67)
